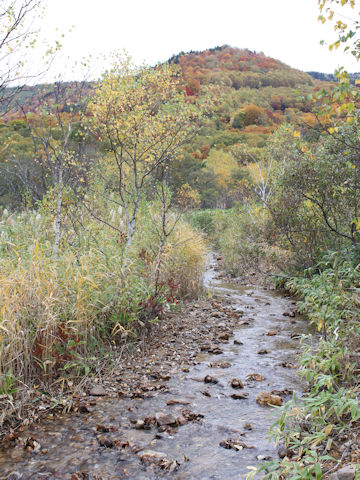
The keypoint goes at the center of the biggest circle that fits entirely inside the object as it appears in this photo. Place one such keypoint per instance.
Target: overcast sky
(153, 30)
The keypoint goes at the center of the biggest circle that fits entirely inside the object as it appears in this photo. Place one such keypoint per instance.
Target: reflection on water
(71, 442)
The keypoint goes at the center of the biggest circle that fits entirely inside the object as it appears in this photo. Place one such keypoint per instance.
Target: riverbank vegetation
(301, 228)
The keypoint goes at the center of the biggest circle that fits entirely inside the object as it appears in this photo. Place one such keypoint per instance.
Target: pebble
(98, 391)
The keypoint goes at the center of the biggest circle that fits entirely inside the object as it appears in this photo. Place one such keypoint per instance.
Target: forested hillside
(252, 96)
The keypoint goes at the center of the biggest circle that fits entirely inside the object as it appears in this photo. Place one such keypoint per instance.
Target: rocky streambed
(195, 403)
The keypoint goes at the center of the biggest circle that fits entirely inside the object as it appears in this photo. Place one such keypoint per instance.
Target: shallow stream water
(192, 451)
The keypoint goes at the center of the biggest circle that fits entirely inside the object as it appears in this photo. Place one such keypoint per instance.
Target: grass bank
(61, 321)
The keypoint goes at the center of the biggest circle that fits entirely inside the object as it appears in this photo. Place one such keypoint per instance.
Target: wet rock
(32, 445)
(181, 420)
(345, 473)
(215, 314)
(263, 351)
(265, 458)
(165, 419)
(106, 442)
(271, 333)
(102, 428)
(255, 376)
(206, 394)
(159, 459)
(191, 416)
(234, 443)
(210, 379)
(239, 396)
(287, 365)
(139, 425)
(289, 314)
(169, 465)
(248, 426)
(236, 383)
(220, 364)
(286, 392)
(177, 401)
(98, 391)
(215, 350)
(224, 337)
(238, 342)
(266, 398)
(151, 455)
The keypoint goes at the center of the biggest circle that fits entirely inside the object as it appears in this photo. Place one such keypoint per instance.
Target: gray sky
(152, 30)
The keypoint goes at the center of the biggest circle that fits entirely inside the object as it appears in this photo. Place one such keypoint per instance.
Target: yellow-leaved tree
(144, 118)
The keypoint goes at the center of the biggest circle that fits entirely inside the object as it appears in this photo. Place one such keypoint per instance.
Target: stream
(193, 429)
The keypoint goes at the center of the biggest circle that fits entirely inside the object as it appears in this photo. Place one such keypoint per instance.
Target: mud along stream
(193, 425)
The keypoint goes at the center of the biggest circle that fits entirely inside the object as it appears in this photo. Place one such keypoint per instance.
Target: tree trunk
(58, 213)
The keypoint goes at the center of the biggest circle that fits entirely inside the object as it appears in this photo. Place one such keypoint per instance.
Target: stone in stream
(106, 442)
(206, 393)
(255, 376)
(220, 364)
(234, 443)
(165, 419)
(159, 459)
(238, 342)
(177, 401)
(215, 350)
(151, 455)
(210, 379)
(248, 426)
(140, 425)
(263, 351)
(265, 458)
(266, 398)
(236, 383)
(239, 396)
(224, 337)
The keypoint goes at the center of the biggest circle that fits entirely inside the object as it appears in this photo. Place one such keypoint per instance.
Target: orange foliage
(252, 114)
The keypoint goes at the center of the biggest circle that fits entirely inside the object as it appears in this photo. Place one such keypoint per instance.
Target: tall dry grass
(56, 318)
